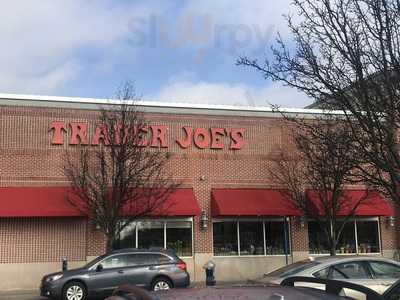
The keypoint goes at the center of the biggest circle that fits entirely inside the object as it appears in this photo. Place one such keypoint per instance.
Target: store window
(358, 236)
(277, 238)
(127, 238)
(250, 237)
(225, 238)
(179, 237)
(318, 241)
(368, 236)
(171, 234)
(150, 234)
(347, 240)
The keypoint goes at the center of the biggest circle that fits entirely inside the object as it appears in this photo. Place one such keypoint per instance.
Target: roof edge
(42, 100)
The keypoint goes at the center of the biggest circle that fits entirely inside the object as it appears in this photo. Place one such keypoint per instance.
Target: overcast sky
(175, 51)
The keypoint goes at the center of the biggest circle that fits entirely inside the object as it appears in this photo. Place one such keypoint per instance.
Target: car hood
(67, 273)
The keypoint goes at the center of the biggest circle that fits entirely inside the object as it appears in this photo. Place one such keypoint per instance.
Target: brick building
(250, 229)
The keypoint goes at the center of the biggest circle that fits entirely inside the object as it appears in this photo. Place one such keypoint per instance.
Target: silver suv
(151, 269)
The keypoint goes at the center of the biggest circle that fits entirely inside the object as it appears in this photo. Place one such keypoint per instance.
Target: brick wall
(28, 159)
(299, 235)
(42, 239)
(388, 234)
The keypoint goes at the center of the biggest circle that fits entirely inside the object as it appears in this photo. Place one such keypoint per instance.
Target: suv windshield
(292, 269)
(94, 261)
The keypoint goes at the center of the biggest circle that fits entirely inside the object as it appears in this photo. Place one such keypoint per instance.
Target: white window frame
(165, 221)
(263, 220)
(354, 221)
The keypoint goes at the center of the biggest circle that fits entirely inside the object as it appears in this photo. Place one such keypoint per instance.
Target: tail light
(181, 265)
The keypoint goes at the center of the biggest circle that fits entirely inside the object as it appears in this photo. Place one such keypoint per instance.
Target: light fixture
(392, 221)
(203, 220)
(302, 221)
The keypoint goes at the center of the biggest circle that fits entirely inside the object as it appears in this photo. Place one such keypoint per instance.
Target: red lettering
(141, 136)
(58, 128)
(138, 134)
(101, 133)
(201, 138)
(78, 131)
(216, 138)
(237, 138)
(121, 134)
(159, 133)
(186, 141)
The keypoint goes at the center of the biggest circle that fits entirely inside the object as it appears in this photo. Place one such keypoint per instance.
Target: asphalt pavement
(21, 295)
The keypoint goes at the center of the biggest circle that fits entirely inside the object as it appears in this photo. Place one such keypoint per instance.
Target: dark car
(329, 290)
(150, 269)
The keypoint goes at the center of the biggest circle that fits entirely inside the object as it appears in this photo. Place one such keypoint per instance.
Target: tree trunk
(332, 250)
(110, 243)
(332, 239)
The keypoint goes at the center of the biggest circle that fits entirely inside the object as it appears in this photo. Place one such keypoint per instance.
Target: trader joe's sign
(152, 136)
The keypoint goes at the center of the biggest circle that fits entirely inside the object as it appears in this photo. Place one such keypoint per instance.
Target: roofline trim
(155, 104)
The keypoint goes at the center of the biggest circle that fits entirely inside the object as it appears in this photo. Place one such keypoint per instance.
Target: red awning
(35, 202)
(250, 202)
(181, 202)
(51, 202)
(372, 204)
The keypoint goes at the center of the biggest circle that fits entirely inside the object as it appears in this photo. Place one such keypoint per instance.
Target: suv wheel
(74, 291)
(161, 284)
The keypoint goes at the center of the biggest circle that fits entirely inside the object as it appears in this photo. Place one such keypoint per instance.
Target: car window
(349, 270)
(383, 270)
(115, 261)
(322, 273)
(140, 259)
(336, 273)
(157, 259)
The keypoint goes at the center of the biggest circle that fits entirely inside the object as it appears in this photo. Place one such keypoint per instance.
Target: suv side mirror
(99, 268)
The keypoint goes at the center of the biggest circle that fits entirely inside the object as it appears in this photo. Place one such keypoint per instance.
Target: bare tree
(121, 179)
(345, 55)
(314, 177)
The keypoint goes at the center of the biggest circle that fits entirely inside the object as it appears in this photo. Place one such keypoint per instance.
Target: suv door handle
(121, 271)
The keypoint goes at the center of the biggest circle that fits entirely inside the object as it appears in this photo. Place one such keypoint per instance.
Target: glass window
(275, 237)
(127, 237)
(150, 234)
(367, 236)
(322, 274)
(139, 259)
(115, 261)
(225, 238)
(251, 238)
(336, 274)
(155, 259)
(317, 239)
(384, 270)
(179, 237)
(347, 240)
(351, 270)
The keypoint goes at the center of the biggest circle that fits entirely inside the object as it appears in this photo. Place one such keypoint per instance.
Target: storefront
(227, 208)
